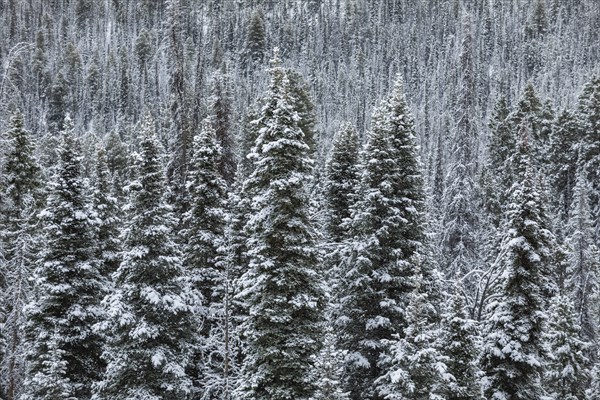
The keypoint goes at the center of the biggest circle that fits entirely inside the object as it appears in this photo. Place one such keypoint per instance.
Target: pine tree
(255, 38)
(20, 201)
(387, 241)
(589, 122)
(566, 374)
(513, 350)
(561, 169)
(281, 288)
(498, 170)
(459, 344)
(68, 285)
(151, 315)
(53, 373)
(109, 215)
(414, 368)
(203, 235)
(593, 392)
(538, 117)
(329, 369)
(220, 109)
(460, 216)
(341, 181)
(302, 103)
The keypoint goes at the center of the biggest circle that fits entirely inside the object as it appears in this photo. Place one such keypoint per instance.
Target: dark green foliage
(566, 374)
(20, 202)
(387, 245)
(151, 315)
(460, 345)
(204, 237)
(341, 182)
(68, 285)
(109, 215)
(514, 348)
(281, 288)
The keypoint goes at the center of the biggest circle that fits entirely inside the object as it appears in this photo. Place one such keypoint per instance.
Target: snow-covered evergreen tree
(20, 201)
(388, 241)
(566, 372)
(221, 113)
(498, 172)
(108, 211)
(68, 285)
(204, 237)
(460, 344)
(413, 366)
(53, 373)
(589, 118)
(593, 392)
(460, 216)
(514, 352)
(281, 287)
(151, 315)
(329, 369)
(562, 152)
(341, 182)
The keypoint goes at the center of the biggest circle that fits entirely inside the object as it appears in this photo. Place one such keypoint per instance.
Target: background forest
(299, 199)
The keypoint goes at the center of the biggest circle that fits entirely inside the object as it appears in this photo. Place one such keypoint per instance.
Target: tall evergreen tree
(109, 215)
(151, 315)
(281, 288)
(589, 122)
(514, 352)
(460, 345)
(562, 169)
(414, 366)
(460, 216)
(255, 38)
(388, 241)
(68, 285)
(20, 201)
(203, 235)
(566, 373)
(498, 175)
(341, 182)
(220, 109)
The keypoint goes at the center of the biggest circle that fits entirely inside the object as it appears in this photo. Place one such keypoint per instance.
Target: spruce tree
(388, 237)
(255, 38)
(221, 113)
(20, 201)
(414, 367)
(498, 174)
(109, 215)
(151, 315)
(341, 182)
(329, 369)
(281, 287)
(593, 392)
(460, 345)
(514, 352)
(68, 285)
(204, 237)
(589, 123)
(566, 374)
(561, 168)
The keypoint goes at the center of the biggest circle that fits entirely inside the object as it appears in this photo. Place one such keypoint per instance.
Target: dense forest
(300, 199)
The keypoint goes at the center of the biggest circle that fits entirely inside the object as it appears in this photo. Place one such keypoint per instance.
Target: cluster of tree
(164, 235)
(123, 284)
